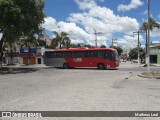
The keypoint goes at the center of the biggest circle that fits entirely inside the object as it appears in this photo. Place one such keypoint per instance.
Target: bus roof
(84, 49)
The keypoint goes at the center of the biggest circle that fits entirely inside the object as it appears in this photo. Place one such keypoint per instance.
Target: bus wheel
(65, 65)
(100, 66)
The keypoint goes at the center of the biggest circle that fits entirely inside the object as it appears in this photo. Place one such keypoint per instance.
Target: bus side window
(68, 54)
(101, 54)
(95, 53)
(87, 53)
(109, 55)
(77, 54)
(48, 54)
(58, 54)
(64, 54)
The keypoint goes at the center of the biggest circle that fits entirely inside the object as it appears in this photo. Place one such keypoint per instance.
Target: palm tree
(153, 24)
(61, 39)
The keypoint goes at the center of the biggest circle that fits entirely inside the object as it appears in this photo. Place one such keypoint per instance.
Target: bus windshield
(116, 57)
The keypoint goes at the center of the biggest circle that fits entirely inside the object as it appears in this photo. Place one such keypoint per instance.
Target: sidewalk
(156, 65)
(141, 64)
(155, 75)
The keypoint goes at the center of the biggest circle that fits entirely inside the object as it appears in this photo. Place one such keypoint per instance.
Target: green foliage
(103, 46)
(20, 18)
(119, 49)
(28, 42)
(153, 24)
(133, 54)
(62, 39)
(73, 46)
(41, 43)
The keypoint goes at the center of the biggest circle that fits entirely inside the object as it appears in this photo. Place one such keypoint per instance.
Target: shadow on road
(5, 70)
(77, 68)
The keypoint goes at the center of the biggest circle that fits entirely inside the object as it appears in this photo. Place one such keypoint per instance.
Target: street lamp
(148, 40)
(138, 45)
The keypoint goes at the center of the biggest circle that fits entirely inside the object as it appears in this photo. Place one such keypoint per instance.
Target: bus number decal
(77, 59)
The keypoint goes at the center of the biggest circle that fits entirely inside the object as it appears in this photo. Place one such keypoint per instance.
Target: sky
(114, 19)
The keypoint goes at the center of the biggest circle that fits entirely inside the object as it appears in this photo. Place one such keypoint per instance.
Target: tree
(40, 42)
(119, 50)
(73, 45)
(11, 48)
(61, 39)
(153, 24)
(103, 46)
(20, 18)
(133, 54)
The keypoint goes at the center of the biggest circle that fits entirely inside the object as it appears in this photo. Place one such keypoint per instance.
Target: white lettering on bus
(77, 59)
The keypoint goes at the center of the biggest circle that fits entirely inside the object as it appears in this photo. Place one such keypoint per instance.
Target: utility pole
(60, 46)
(148, 40)
(96, 33)
(138, 45)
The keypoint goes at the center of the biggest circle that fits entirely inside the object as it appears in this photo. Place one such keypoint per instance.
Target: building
(35, 56)
(11, 55)
(45, 38)
(155, 53)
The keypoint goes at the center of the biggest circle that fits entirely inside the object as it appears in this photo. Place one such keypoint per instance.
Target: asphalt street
(52, 89)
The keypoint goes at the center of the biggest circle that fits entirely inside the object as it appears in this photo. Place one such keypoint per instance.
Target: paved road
(127, 66)
(80, 90)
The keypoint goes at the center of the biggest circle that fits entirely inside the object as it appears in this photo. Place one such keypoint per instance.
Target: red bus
(101, 58)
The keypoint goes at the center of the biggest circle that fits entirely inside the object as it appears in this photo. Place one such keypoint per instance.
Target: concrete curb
(145, 76)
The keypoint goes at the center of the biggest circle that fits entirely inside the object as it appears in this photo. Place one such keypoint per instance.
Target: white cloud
(80, 25)
(159, 16)
(155, 32)
(134, 4)
(50, 24)
(145, 12)
(103, 20)
(129, 41)
(77, 34)
(155, 41)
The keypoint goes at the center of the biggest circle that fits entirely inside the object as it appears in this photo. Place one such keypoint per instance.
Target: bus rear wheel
(65, 65)
(100, 66)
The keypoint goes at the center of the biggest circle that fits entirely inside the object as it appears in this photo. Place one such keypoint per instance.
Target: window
(77, 54)
(109, 55)
(87, 53)
(58, 54)
(68, 54)
(101, 54)
(49, 54)
(95, 53)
